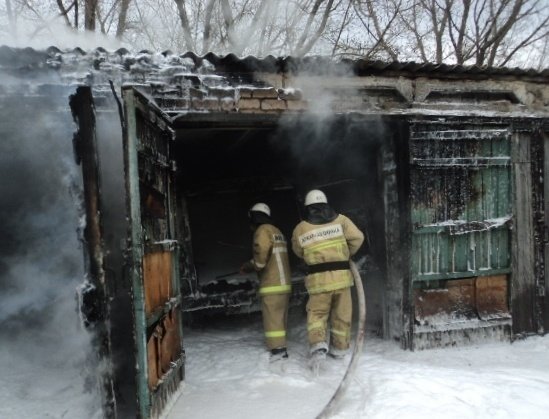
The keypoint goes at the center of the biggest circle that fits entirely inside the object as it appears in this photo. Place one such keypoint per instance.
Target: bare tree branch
(207, 25)
(459, 39)
(485, 32)
(185, 24)
(144, 28)
(122, 18)
(381, 33)
(109, 16)
(227, 15)
(500, 33)
(543, 55)
(416, 32)
(267, 29)
(238, 45)
(304, 46)
(529, 40)
(438, 26)
(90, 10)
(11, 18)
(64, 12)
(307, 29)
(343, 23)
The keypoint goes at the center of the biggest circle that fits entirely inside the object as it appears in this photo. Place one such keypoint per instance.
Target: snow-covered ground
(43, 374)
(228, 376)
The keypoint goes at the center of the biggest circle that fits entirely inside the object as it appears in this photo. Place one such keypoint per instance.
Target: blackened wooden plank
(538, 208)
(86, 153)
(131, 172)
(398, 305)
(545, 288)
(523, 278)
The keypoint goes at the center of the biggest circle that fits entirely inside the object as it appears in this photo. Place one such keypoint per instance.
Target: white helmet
(315, 197)
(261, 207)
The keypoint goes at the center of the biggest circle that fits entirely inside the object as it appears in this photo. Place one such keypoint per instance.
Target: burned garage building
(443, 167)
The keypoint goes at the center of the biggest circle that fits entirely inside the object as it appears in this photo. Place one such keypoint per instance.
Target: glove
(247, 267)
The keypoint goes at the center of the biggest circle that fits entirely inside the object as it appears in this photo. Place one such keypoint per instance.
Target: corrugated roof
(29, 59)
(323, 65)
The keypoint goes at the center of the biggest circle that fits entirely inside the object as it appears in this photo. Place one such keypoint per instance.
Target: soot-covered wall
(114, 223)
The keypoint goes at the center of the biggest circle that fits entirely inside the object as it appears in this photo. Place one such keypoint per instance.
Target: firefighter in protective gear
(270, 261)
(326, 241)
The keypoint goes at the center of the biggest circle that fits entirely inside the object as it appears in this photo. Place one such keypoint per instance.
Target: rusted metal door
(153, 252)
(461, 206)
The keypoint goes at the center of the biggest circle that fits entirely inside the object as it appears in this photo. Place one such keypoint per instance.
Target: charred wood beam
(397, 317)
(540, 225)
(523, 292)
(226, 121)
(95, 298)
(544, 292)
(134, 263)
(119, 105)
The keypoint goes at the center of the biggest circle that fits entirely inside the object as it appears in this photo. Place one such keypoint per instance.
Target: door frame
(151, 401)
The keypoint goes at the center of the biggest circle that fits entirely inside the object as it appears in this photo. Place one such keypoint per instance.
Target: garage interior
(224, 167)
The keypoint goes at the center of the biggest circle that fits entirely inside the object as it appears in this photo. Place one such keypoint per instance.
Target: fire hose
(330, 408)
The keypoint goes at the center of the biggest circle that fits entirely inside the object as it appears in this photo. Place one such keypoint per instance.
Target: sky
(156, 25)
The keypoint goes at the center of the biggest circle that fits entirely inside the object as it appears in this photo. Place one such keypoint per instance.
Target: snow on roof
(18, 58)
(191, 83)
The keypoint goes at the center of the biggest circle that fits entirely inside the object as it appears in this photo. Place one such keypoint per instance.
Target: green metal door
(460, 201)
(153, 257)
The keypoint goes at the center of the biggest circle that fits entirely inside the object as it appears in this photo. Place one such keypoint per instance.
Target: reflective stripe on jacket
(335, 241)
(271, 260)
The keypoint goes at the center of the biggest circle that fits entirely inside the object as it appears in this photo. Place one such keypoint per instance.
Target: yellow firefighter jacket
(271, 260)
(335, 241)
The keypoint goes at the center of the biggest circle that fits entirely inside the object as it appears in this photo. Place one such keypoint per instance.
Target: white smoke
(54, 32)
(46, 353)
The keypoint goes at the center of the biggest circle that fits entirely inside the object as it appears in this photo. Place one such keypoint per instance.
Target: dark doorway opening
(226, 167)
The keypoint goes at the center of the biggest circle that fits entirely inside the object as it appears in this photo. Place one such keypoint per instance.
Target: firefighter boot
(278, 354)
(338, 353)
(318, 355)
